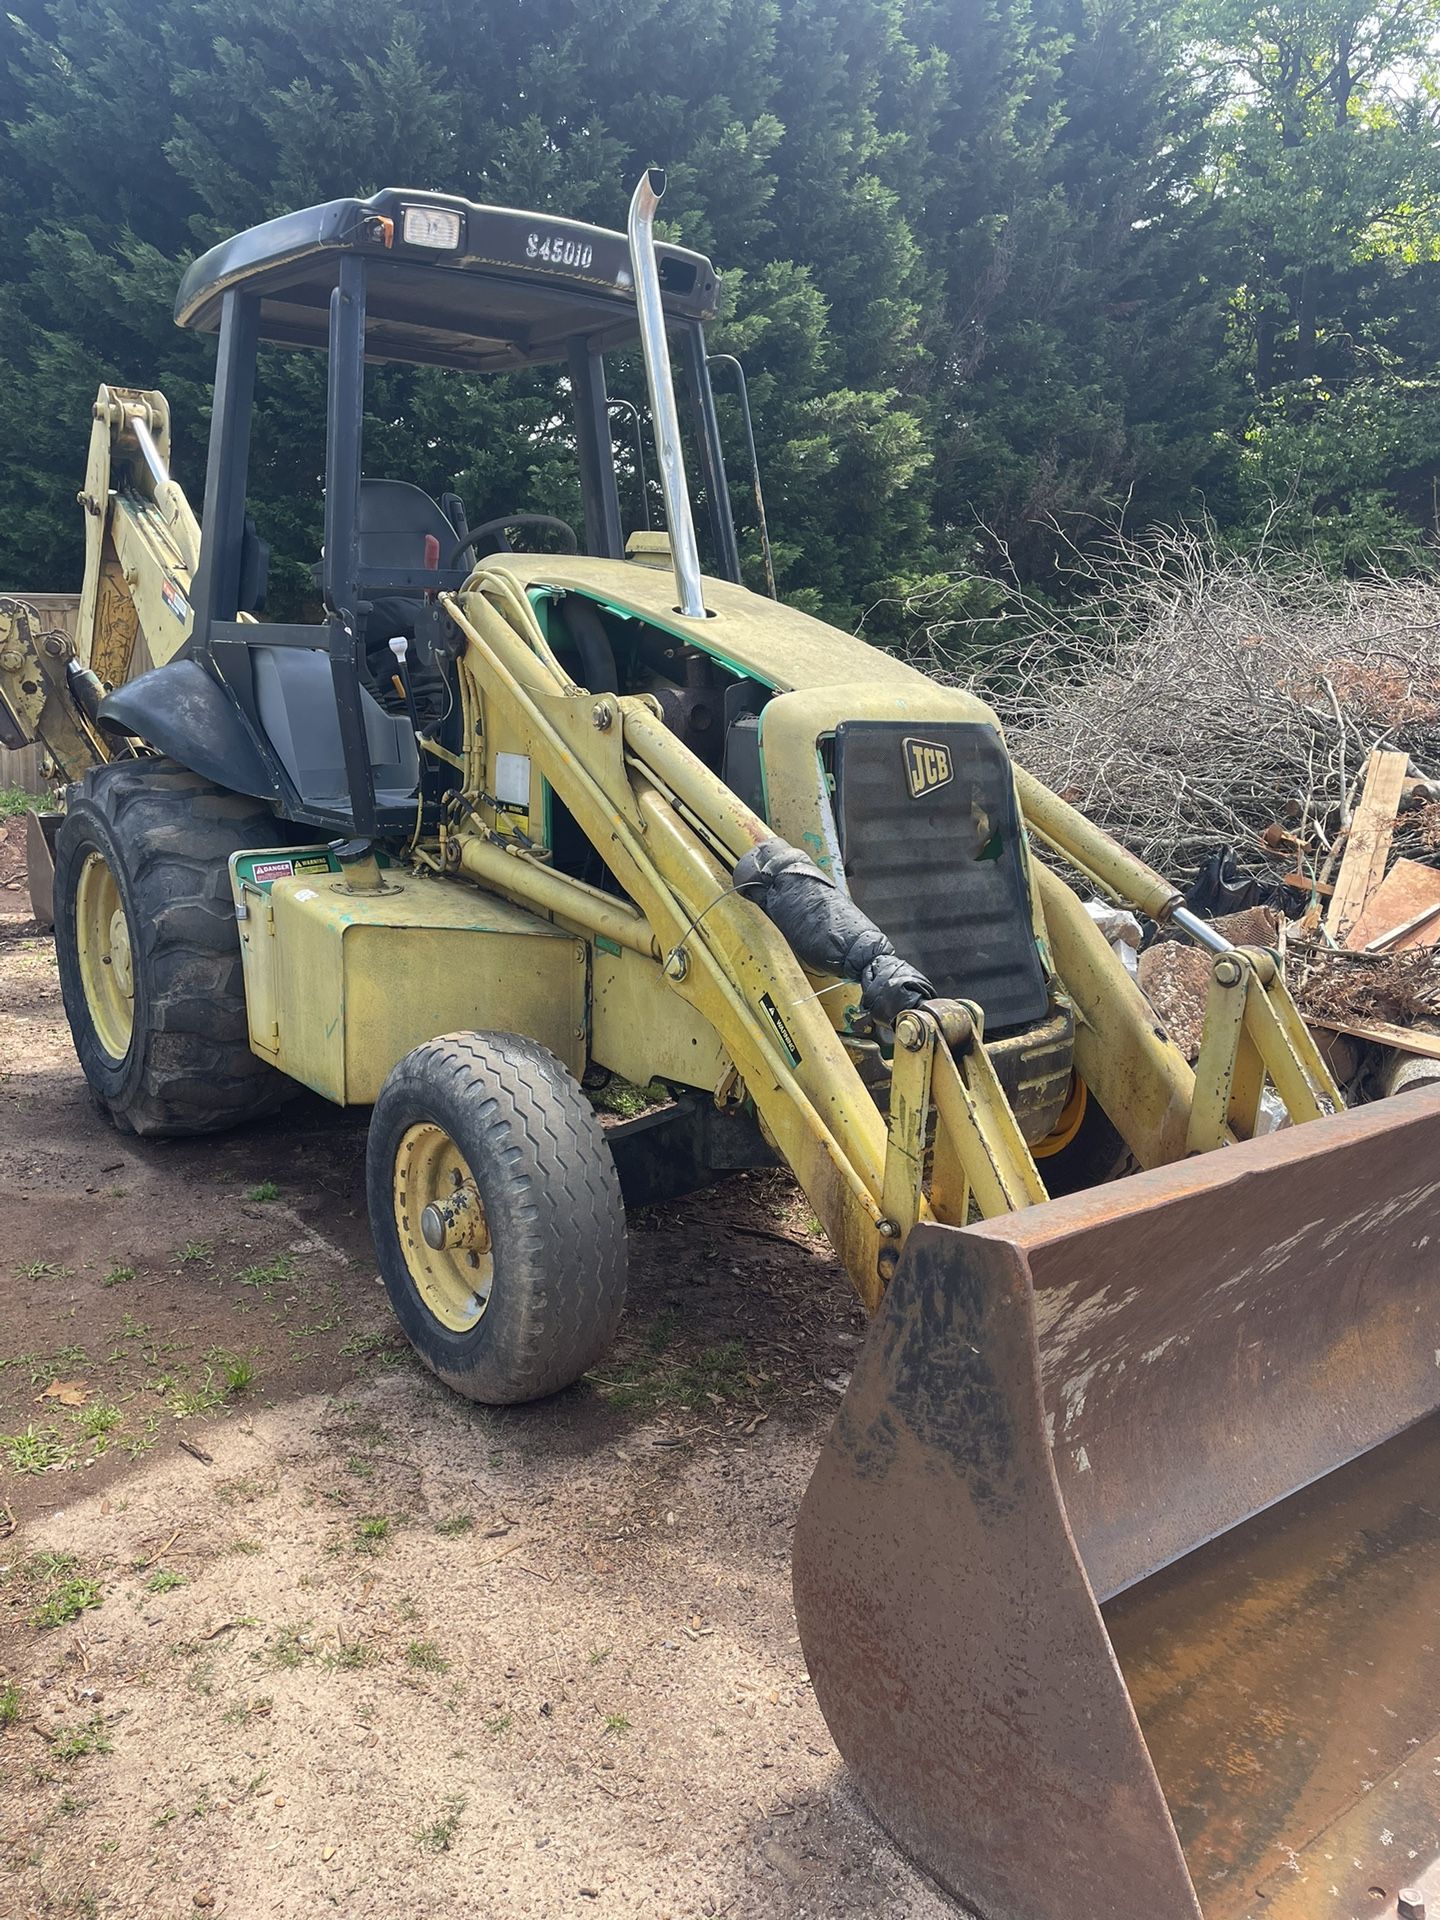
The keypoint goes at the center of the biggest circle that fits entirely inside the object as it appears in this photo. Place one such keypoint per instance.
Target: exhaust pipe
(656, 348)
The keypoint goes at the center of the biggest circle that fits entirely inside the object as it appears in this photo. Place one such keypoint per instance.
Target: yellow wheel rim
(1068, 1125)
(107, 974)
(440, 1220)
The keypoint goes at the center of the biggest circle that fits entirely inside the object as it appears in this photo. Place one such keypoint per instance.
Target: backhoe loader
(1119, 1575)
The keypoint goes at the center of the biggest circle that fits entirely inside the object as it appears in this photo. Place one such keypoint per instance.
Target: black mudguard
(182, 712)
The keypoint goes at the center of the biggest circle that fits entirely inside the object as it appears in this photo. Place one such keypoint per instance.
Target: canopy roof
(514, 291)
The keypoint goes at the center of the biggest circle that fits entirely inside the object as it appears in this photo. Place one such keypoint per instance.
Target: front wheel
(497, 1217)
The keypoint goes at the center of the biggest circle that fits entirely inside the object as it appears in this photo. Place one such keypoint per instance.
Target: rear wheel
(149, 957)
(497, 1216)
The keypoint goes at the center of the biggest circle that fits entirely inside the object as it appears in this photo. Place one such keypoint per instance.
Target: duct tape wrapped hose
(826, 930)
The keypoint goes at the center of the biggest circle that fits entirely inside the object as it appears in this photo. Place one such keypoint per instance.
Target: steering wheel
(483, 532)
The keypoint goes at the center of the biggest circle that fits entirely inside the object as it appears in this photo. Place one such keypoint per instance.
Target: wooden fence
(23, 769)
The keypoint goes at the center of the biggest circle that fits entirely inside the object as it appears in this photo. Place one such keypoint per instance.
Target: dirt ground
(286, 1627)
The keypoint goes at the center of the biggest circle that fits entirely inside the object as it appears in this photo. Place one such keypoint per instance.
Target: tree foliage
(993, 266)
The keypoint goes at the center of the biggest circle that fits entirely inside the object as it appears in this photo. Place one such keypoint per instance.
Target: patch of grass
(293, 1645)
(68, 1360)
(438, 1836)
(247, 1710)
(43, 1270)
(35, 1450)
(425, 1655)
(279, 1272)
(654, 1378)
(454, 1524)
(165, 1816)
(165, 1580)
(195, 1252)
(599, 1655)
(10, 1702)
(372, 1534)
(65, 1600)
(238, 1373)
(201, 1677)
(137, 1443)
(186, 1402)
(75, 1742)
(118, 1275)
(97, 1422)
(351, 1655)
(616, 1723)
(381, 1349)
(14, 801)
(627, 1101)
(264, 1190)
(502, 1723)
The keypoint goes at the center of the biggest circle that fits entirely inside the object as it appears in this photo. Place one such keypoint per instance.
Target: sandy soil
(288, 1628)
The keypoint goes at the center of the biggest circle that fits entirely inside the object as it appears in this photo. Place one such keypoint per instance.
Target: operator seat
(400, 529)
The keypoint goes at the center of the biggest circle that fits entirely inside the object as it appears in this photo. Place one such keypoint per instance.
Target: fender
(182, 712)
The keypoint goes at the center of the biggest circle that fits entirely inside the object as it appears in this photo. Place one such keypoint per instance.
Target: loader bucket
(1119, 1575)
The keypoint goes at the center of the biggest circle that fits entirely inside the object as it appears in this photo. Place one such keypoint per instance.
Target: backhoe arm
(142, 540)
(142, 545)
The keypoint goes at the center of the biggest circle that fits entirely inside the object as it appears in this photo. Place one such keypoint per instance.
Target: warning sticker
(264, 870)
(774, 1016)
(175, 600)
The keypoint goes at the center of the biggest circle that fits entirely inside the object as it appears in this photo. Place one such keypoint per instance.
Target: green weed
(264, 1190)
(117, 1276)
(456, 1523)
(75, 1742)
(165, 1580)
(97, 1422)
(34, 1451)
(10, 1698)
(372, 1534)
(65, 1600)
(279, 1272)
(438, 1835)
(425, 1655)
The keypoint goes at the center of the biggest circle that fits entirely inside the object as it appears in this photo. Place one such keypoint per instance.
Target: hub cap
(441, 1223)
(107, 973)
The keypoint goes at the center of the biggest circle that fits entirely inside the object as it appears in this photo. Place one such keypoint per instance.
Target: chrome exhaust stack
(655, 346)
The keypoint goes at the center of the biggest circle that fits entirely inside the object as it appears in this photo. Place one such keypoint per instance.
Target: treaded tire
(551, 1196)
(166, 836)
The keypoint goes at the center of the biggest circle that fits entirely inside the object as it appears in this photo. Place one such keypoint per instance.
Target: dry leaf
(70, 1393)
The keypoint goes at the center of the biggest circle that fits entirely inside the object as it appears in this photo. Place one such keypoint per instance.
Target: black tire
(553, 1230)
(166, 836)
(1094, 1156)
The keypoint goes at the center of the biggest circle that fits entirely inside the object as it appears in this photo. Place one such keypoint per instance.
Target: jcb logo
(926, 767)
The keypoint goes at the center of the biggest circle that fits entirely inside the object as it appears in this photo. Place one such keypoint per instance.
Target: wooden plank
(22, 770)
(1407, 1039)
(1368, 846)
(1409, 888)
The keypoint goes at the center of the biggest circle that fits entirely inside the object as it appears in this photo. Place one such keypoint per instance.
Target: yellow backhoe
(1119, 1575)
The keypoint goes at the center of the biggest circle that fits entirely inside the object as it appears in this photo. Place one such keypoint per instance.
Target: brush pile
(1193, 702)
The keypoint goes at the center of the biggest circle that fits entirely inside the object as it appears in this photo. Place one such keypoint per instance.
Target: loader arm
(672, 834)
